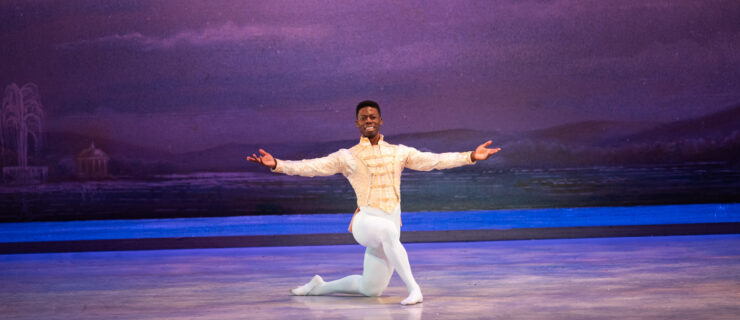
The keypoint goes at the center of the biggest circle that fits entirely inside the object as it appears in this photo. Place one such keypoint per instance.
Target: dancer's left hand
(483, 152)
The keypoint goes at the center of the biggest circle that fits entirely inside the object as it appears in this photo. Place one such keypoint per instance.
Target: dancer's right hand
(265, 159)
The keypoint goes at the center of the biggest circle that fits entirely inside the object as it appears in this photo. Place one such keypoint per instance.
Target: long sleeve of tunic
(337, 162)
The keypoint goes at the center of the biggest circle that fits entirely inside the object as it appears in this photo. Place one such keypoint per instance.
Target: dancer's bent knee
(371, 291)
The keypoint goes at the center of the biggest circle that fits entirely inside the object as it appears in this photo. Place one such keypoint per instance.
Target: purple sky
(187, 75)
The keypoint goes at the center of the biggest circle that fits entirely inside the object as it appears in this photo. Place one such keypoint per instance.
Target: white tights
(380, 233)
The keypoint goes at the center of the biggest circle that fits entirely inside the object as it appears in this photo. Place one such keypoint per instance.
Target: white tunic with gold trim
(374, 171)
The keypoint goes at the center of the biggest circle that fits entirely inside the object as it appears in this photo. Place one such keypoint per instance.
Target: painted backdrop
(147, 108)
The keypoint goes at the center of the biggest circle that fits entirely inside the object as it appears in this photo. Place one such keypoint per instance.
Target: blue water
(337, 223)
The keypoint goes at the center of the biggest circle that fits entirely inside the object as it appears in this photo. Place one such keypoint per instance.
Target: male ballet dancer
(373, 168)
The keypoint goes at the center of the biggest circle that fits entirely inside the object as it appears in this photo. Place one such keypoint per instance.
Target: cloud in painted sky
(399, 59)
(227, 33)
(441, 64)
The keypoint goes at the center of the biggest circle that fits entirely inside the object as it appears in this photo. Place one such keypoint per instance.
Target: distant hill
(61, 144)
(715, 126)
(591, 132)
(714, 138)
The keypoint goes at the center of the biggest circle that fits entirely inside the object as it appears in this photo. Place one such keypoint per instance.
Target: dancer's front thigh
(370, 231)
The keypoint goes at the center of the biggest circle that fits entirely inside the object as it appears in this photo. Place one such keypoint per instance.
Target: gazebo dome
(92, 152)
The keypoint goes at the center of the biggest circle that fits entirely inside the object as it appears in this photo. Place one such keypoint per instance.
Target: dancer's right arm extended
(325, 166)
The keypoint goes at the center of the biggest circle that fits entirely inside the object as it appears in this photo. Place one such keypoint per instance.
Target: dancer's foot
(306, 288)
(413, 298)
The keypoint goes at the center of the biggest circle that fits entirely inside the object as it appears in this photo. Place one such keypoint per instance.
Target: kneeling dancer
(373, 168)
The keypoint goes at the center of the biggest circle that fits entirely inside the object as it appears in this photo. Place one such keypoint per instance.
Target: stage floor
(676, 277)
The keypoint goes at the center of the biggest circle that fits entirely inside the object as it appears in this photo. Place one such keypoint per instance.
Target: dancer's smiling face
(369, 122)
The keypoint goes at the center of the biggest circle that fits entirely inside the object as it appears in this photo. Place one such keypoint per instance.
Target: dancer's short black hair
(367, 103)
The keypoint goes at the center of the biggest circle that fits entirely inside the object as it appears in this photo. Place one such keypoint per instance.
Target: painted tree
(22, 115)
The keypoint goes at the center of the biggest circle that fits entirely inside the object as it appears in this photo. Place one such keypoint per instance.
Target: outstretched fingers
(254, 158)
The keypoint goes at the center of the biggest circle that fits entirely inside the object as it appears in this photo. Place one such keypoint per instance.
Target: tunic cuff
(278, 167)
(469, 157)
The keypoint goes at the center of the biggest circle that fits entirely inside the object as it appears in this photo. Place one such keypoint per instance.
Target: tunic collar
(365, 142)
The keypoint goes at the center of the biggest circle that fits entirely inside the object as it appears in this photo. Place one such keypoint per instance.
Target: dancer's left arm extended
(426, 161)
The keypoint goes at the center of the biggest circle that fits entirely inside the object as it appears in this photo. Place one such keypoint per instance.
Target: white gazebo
(92, 163)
